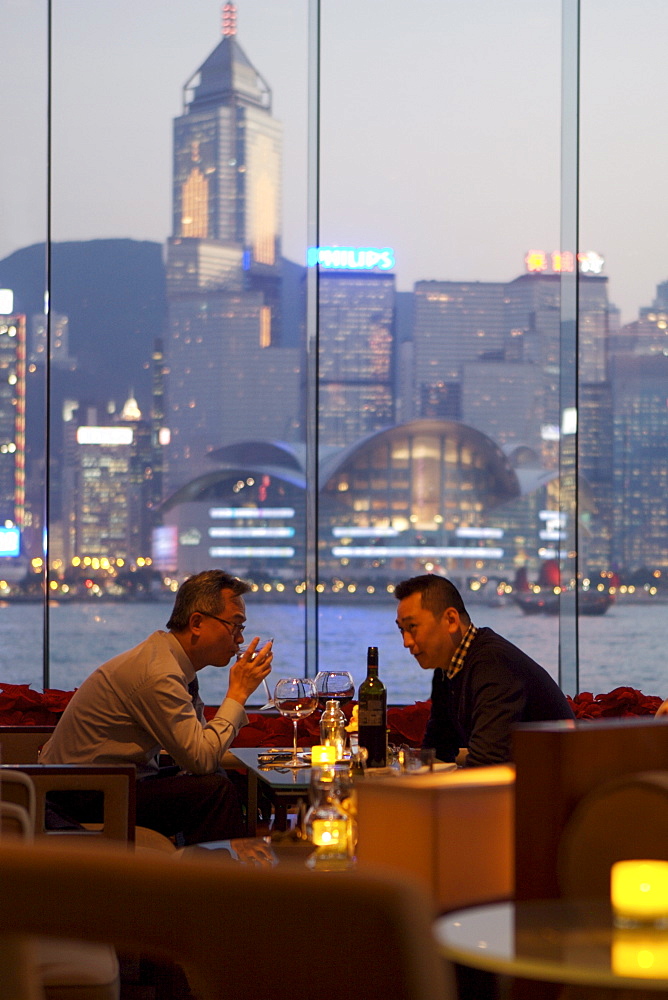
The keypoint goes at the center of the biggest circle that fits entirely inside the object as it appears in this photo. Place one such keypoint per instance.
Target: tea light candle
(323, 755)
(639, 893)
(330, 832)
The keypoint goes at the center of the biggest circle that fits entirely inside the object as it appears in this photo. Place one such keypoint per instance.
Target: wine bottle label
(371, 714)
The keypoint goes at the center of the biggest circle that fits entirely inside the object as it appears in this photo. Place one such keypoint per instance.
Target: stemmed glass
(295, 698)
(337, 684)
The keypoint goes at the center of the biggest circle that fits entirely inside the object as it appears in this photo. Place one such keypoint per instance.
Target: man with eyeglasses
(482, 683)
(146, 700)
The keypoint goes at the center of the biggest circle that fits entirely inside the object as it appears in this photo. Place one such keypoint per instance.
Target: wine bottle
(372, 718)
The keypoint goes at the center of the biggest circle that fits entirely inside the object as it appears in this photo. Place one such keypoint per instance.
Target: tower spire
(229, 20)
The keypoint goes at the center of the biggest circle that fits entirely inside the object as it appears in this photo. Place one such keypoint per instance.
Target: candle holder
(323, 755)
(329, 835)
(327, 824)
(639, 894)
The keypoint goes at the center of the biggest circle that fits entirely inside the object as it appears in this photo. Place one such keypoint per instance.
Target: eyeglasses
(234, 627)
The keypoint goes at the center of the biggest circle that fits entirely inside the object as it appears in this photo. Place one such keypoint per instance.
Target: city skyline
(488, 176)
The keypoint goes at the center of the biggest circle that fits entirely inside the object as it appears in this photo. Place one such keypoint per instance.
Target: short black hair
(202, 593)
(438, 593)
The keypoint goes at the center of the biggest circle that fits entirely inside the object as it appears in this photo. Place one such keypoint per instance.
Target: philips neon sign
(351, 258)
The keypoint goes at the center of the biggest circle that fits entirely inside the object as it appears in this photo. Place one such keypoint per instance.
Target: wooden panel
(21, 744)
(453, 832)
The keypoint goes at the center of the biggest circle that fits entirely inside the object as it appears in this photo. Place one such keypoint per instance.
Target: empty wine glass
(337, 684)
(295, 698)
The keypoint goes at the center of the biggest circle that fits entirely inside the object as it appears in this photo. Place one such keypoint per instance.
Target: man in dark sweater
(482, 683)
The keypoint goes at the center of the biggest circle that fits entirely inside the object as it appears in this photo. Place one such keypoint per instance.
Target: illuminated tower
(227, 155)
(110, 490)
(102, 498)
(224, 266)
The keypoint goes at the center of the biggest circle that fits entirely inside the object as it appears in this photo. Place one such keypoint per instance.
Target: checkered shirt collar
(457, 661)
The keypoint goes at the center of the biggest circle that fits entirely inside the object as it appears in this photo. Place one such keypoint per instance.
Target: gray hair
(202, 593)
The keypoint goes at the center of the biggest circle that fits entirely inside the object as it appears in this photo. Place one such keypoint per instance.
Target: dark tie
(193, 691)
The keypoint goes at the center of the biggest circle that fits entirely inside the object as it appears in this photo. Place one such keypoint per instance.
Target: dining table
(562, 941)
(284, 786)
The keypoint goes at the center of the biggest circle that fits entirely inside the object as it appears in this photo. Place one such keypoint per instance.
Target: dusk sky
(440, 126)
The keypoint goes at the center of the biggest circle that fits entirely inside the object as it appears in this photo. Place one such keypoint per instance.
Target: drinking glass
(295, 698)
(269, 703)
(337, 684)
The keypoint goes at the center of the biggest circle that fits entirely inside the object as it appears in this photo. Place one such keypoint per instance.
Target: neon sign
(540, 261)
(414, 552)
(351, 258)
(104, 435)
(10, 541)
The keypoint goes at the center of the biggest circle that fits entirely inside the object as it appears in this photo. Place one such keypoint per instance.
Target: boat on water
(547, 596)
(588, 602)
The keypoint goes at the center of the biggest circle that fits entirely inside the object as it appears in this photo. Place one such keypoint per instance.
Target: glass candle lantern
(330, 833)
(323, 755)
(639, 893)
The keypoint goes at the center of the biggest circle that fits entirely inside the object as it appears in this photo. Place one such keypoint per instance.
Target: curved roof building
(423, 491)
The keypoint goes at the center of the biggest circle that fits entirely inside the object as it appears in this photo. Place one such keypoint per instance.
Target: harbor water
(626, 646)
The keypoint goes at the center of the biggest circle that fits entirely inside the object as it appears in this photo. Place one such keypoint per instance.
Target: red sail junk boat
(546, 596)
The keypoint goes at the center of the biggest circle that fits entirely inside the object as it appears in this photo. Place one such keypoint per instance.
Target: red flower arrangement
(622, 702)
(21, 706)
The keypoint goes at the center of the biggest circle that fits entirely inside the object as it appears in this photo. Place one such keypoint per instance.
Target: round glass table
(558, 941)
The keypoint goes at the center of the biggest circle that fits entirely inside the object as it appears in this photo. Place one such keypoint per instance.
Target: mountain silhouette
(113, 292)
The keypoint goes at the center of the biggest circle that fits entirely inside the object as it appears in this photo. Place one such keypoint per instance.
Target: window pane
(179, 298)
(439, 331)
(179, 166)
(23, 186)
(623, 347)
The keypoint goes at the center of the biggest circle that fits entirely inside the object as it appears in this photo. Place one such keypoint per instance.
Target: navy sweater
(498, 686)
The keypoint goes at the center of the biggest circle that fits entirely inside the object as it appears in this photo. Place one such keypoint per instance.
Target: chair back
(623, 818)
(48, 967)
(557, 765)
(15, 821)
(238, 932)
(116, 782)
(18, 789)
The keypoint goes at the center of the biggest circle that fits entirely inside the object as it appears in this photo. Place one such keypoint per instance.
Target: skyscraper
(102, 497)
(640, 460)
(12, 420)
(229, 378)
(110, 493)
(455, 322)
(227, 155)
(595, 442)
(356, 323)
